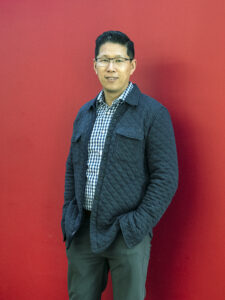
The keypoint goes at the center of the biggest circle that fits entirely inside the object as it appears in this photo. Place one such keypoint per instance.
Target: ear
(95, 66)
(133, 66)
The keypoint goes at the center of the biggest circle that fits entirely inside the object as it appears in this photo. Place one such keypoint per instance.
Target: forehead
(112, 49)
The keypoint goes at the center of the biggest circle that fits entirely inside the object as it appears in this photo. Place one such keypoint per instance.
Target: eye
(119, 60)
(104, 60)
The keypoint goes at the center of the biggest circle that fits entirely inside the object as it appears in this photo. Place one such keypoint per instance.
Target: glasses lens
(117, 61)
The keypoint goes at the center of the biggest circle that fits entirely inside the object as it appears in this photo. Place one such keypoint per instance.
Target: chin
(111, 90)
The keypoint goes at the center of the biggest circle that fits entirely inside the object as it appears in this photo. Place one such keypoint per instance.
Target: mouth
(111, 79)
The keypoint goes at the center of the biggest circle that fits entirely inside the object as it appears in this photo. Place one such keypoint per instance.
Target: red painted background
(46, 52)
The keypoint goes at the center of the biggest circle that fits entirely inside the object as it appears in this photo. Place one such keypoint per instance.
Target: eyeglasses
(117, 61)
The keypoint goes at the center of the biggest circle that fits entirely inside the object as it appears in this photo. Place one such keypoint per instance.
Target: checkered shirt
(97, 141)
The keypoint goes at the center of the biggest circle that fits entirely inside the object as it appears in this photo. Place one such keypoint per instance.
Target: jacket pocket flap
(133, 133)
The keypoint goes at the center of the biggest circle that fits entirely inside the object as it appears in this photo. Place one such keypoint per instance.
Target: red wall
(46, 52)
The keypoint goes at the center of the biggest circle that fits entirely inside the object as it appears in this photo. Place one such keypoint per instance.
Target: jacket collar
(132, 98)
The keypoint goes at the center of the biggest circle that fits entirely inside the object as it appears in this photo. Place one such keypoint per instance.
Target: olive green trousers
(88, 272)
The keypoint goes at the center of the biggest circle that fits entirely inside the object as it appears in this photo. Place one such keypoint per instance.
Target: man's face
(113, 78)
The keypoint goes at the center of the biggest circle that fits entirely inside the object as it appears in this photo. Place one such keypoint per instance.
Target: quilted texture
(138, 174)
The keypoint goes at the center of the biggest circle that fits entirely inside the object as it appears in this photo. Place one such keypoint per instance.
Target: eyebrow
(117, 56)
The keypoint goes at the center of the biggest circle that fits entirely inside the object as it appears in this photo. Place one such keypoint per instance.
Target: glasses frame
(112, 59)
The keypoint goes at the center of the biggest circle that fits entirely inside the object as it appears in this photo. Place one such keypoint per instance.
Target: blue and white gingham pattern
(97, 141)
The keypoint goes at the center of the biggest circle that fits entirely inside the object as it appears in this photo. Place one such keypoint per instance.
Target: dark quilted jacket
(138, 174)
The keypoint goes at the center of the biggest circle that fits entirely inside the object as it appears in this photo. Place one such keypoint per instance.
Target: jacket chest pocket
(129, 144)
(76, 147)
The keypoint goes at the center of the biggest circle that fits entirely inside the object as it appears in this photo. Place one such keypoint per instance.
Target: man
(121, 175)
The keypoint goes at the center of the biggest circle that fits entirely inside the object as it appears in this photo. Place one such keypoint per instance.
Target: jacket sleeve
(69, 191)
(163, 181)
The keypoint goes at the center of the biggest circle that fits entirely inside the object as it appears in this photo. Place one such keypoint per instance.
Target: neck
(110, 97)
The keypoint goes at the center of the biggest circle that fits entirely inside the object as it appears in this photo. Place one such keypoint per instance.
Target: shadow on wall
(168, 258)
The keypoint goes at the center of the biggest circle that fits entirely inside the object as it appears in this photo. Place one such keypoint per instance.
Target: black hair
(116, 37)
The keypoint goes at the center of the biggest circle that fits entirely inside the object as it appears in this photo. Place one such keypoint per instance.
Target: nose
(110, 66)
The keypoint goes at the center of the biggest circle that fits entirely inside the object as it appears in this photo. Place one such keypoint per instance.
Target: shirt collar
(101, 98)
(132, 99)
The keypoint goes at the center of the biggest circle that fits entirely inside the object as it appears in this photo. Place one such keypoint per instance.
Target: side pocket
(71, 218)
